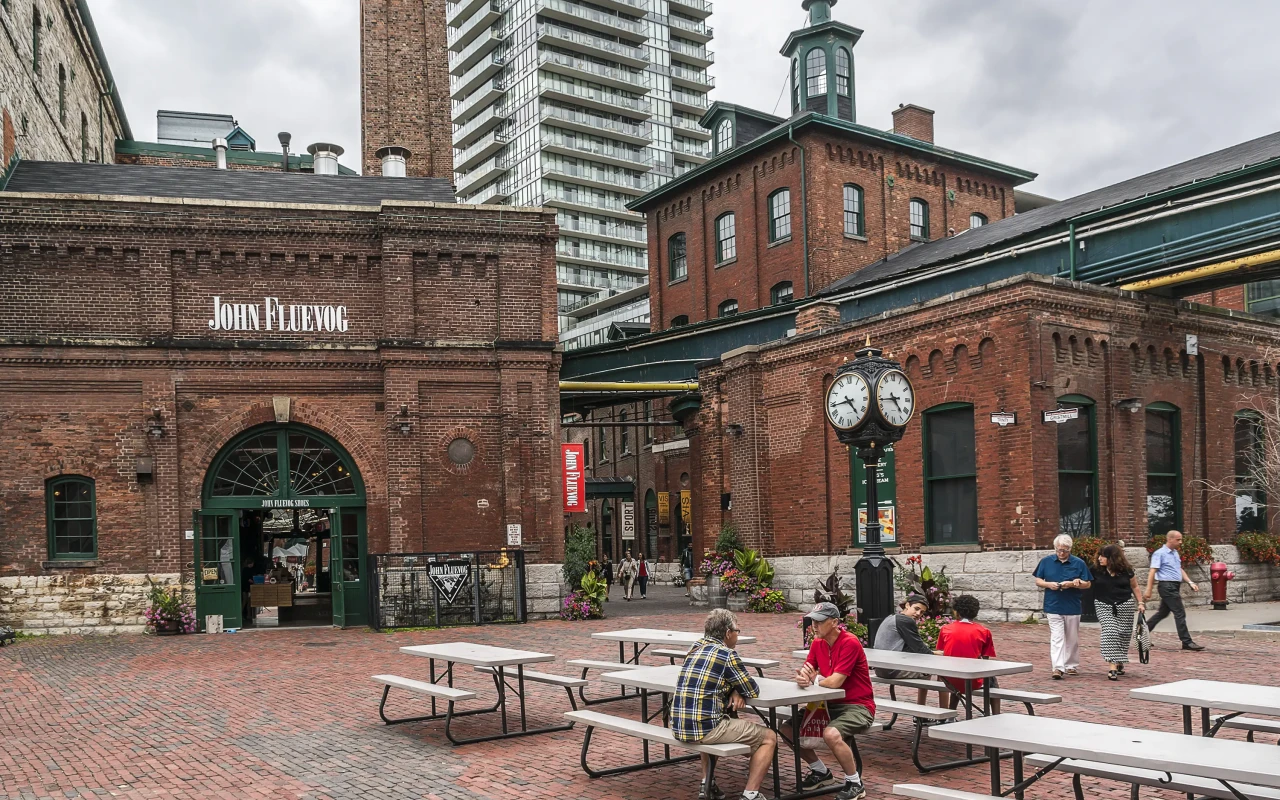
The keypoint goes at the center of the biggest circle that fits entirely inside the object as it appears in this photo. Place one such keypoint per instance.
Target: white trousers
(1064, 641)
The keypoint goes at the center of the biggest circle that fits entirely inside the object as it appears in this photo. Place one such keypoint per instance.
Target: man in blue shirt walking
(1166, 569)
(1063, 577)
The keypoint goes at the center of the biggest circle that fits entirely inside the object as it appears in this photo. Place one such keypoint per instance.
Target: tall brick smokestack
(404, 85)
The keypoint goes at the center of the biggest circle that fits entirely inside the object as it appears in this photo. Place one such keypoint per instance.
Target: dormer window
(724, 136)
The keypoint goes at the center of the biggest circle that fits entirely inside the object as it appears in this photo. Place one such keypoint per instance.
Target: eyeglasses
(735, 630)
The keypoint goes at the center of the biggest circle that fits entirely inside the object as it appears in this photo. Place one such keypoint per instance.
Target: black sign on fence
(437, 590)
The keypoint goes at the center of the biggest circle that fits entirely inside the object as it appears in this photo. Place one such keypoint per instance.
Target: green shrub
(751, 563)
(728, 541)
(1194, 550)
(1259, 548)
(1086, 548)
(579, 552)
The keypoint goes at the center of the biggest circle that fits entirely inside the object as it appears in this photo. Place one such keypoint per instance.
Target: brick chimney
(914, 121)
(816, 316)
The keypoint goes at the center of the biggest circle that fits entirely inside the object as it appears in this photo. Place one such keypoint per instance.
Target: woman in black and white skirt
(1117, 600)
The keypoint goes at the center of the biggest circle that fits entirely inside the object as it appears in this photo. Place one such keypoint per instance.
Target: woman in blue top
(1063, 577)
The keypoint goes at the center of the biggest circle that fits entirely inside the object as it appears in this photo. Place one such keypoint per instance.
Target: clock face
(895, 398)
(848, 401)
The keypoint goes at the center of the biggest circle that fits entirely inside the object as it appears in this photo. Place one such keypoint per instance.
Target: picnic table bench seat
(920, 791)
(1137, 777)
(636, 729)
(759, 664)
(1251, 724)
(562, 681)
(1028, 699)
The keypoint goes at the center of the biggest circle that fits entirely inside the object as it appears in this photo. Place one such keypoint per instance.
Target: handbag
(816, 718)
(1142, 635)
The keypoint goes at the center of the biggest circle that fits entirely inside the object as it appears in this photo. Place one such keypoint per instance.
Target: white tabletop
(773, 693)
(1224, 759)
(655, 636)
(481, 655)
(1242, 697)
(946, 666)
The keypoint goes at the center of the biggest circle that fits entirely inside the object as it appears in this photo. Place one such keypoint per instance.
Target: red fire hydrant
(1219, 575)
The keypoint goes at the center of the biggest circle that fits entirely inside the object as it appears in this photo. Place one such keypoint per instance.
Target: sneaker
(1057, 674)
(715, 793)
(815, 779)
(853, 790)
(1193, 646)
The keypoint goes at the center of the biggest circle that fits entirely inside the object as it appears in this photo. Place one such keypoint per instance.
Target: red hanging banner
(573, 458)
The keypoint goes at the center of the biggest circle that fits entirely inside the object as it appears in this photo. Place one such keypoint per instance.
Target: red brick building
(185, 350)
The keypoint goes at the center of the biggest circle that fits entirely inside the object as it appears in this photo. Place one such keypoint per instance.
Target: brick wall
(104, 318)
(42, 129)
(404, 85)
(890, 179)
(1015, 346)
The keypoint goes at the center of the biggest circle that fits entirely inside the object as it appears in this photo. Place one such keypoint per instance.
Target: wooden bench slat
(914, 710)
(615, 666)
(922, 792)
(424, 687)
(750, 662)
(537, 677)
(654, 733)
(1149, 777)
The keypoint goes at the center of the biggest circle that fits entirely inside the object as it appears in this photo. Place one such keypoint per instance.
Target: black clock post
(867, 441)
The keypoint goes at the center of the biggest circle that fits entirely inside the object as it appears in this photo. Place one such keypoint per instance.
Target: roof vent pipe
(324, 158)
(285, 137)
(220, 150)
(394, 161)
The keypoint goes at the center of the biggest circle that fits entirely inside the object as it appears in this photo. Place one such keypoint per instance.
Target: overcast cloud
(1085, 93)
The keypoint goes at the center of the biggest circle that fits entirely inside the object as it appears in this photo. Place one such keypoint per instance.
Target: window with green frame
(919, 213)
(72, 514)
(1251, 472)
(950, 475)
(780, 215)
(1078, 469)
(726, 238)
(1263, 297)
(1164, 469)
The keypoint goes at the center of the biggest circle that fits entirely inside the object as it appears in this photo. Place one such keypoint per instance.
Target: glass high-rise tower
(581, 107)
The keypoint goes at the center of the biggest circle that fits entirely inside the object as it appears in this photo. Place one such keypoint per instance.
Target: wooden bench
(921, 792)
(1251, 724)
(1137, 778)
(647, 733)
(759, 664)
(1028, 699)
(433, 690)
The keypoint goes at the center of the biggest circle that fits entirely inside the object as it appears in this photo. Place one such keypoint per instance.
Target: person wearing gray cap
(837, 661)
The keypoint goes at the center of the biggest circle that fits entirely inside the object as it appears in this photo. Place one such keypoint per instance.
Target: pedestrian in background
(1166, 568)
(643, 577)
(628, 571)
(607, 569)
(1063, 577)
(1117, 599)
(686, 565)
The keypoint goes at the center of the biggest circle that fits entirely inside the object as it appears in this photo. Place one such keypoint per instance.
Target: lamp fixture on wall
(155, 424)
(402, 419)
(1131, 404)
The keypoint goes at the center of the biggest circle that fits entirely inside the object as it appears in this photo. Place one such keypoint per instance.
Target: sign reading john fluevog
(449, 578)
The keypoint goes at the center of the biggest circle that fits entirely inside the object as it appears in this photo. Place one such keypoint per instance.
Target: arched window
(728, 308)
(815, 69)
(977, 220)
(677, 258)
(35, 41)
(919, 219)
(1164, 469)
(72, 518)
(1252, 473)
(853, 221)
(624, 434)
(795, 84)
(1078, 469)
(683, 319)
(84, 137)
(724, 136)
(62, 94)
(842, 72)
(726, 238)
(950, 475)
(781, 293)
(779, 215)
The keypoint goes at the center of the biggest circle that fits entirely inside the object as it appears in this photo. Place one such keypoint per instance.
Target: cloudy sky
(1085, 93)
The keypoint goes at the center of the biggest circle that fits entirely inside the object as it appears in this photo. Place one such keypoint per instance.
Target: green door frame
(349, 601)
(217, 579)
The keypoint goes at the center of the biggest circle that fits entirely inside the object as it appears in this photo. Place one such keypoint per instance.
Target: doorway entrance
(280, 537)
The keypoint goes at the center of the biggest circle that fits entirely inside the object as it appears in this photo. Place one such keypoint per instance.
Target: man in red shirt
(837, 661)
(967, 638)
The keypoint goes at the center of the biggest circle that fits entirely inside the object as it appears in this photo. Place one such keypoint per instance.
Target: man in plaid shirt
(712, 677)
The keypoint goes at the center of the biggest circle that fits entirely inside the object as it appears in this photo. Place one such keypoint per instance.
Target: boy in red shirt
(967, 638)
(837, 661)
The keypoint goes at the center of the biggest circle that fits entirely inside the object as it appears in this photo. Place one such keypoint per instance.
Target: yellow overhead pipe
(1207, 270)
(623, 386)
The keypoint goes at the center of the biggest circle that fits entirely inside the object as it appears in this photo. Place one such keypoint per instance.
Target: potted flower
(739, 585)
(169, 614)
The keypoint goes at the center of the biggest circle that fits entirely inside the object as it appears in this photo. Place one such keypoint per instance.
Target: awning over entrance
(603, 488)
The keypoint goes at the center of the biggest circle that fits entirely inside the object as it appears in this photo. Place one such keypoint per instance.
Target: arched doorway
(283, 501)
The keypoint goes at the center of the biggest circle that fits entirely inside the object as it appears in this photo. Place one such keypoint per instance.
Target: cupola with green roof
(822, 63)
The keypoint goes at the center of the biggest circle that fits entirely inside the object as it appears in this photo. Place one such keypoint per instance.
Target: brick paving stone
(264, 715)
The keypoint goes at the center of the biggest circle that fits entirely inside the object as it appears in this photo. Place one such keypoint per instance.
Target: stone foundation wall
(80, 603)
(1002, 580)
(544, 590)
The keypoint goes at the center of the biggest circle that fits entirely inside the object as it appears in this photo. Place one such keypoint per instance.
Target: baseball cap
(823, 611)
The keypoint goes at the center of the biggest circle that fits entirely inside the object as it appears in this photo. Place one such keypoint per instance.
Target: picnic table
(774, 695)
(641, 638)
(1234, 698)
(495, 661)
(1226, 761)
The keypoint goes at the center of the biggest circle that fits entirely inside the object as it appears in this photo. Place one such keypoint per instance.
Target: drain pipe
(220, 152)
(804, 206)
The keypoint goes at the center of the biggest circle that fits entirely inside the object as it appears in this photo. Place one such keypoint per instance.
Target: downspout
(1071, 250)
(804, 205)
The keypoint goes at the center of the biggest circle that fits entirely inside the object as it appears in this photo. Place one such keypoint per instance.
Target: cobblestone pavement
(293, 714)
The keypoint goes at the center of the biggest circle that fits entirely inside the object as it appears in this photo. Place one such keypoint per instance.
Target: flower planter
(737, 602)
(715, 593)
(168, 627)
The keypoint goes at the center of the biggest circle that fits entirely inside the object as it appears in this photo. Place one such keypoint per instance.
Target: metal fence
(438, 590)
